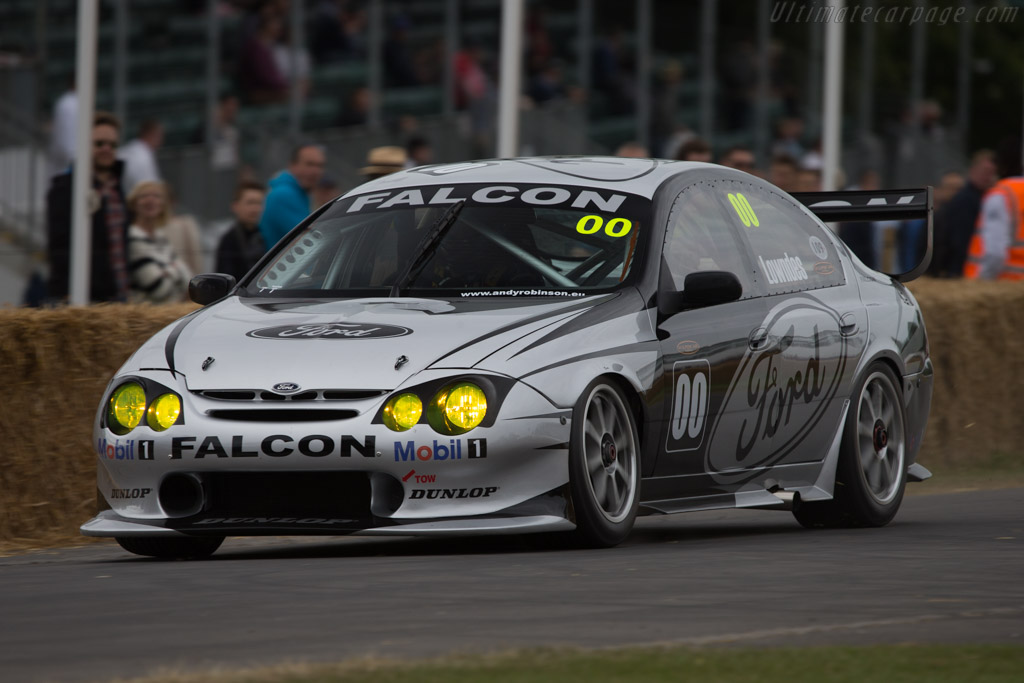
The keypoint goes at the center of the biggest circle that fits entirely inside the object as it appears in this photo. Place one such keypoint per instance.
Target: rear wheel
(872, 471)
(604, 465)
(176, 548)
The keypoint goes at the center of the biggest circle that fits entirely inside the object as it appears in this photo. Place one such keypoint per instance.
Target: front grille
(229, 395)
(352, 394)
(309, 395)
(287, 494)
(283, 415)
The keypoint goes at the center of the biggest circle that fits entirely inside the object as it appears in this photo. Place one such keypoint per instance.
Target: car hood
(352, 343)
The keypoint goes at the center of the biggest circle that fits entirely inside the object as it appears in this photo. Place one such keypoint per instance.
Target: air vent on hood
(309, 395)
(283, 415)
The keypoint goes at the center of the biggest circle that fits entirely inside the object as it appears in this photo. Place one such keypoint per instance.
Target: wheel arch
(564, 384)
(633, 399)
(891, 360)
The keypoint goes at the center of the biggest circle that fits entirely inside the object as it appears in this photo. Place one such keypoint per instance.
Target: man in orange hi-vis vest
(997, 248)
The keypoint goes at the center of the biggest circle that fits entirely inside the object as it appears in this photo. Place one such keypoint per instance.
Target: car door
(794, 384)
(702, 347)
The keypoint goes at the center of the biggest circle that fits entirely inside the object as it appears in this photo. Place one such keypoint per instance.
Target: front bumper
(228, 477)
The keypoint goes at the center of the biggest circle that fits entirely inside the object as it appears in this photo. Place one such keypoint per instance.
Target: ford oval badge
(286, 387)
(330, 331)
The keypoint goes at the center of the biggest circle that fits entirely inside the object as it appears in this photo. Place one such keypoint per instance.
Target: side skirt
(775, 488)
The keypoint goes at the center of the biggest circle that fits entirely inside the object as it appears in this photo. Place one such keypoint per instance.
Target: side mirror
(207, 288)
(702, 288)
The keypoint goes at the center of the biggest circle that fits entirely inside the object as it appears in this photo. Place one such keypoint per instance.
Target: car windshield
(463, 240)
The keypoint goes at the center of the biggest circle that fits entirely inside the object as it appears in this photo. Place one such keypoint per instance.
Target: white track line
(725, 638)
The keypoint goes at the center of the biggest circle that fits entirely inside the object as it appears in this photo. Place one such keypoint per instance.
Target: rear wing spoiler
(876, 205)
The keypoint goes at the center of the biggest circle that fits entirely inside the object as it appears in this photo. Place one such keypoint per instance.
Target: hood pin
(400, 361)
(207, 363)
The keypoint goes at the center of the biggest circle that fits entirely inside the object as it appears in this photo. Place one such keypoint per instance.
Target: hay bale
(978, 354)
(57, 362)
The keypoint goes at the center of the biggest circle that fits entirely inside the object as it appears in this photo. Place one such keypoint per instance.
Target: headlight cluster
(128, 406)
(454, 409)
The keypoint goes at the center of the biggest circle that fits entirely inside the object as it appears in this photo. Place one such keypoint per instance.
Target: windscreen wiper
(427, 246)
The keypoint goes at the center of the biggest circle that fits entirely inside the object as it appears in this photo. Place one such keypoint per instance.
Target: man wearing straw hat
(382, 161)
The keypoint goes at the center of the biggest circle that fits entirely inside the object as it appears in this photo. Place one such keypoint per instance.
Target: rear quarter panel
(897, 336)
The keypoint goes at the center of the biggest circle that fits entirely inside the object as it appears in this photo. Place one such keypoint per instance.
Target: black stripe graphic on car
(635, 347)
(604, 312)
(521, 323)
(172, 338)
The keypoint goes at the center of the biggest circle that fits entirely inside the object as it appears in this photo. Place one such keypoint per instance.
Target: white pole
(295, 42)
(963, 95)
(121, 61)
(212, 72)
(762, 125)
(451, 47)
(833, 106)
(511, 75)
(85, 88)
(643, 74)
(585, 61)
(708, 36)
(376, 75)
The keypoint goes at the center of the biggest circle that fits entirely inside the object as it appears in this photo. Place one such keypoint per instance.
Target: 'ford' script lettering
(780, 406)
(336, 330)
(330, 331)
(772, 397)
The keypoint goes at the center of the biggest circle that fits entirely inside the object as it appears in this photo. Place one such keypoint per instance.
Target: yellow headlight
(127, 404)
(163, 412)
(402, 412)
(463, 407)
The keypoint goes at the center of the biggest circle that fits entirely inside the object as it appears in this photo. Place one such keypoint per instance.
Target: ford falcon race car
(527, 345)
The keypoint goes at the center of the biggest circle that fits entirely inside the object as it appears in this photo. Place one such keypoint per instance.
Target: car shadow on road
(648, 532)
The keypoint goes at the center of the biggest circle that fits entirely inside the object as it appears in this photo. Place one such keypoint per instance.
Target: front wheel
(604, 465)
(176, 548)
(871, 474)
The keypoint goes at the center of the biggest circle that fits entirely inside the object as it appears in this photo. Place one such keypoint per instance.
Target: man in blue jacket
(288, 201)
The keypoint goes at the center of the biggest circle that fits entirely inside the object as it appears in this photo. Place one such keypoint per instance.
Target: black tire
(871, 474)
(176, 548)
(604, 465)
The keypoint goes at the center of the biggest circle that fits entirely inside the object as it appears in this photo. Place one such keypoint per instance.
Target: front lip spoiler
(108, 523)
(477, 525)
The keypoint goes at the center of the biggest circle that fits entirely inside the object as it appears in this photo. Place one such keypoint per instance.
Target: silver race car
(527, 345)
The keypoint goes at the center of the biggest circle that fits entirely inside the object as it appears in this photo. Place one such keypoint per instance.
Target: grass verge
(893, 664)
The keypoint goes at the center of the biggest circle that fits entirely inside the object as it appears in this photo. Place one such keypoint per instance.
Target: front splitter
(109, 524)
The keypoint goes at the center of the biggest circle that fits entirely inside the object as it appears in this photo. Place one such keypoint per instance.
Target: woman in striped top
(158, 275)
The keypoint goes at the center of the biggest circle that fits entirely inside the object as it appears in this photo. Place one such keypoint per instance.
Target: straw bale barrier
(56, 364)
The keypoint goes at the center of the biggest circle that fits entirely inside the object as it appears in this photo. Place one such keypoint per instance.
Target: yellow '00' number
(616, 227)
(743, 209)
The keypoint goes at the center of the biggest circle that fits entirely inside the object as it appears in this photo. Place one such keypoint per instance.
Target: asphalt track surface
(950, 568)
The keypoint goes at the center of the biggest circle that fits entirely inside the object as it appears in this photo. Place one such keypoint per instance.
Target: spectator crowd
(144, 250)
